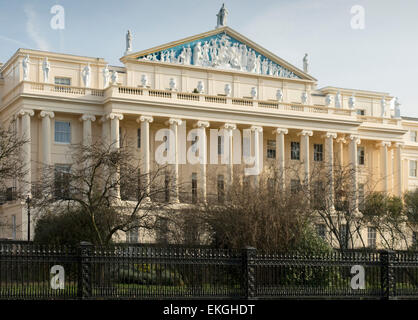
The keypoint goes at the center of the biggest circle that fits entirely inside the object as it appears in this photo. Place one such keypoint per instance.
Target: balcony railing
(148, 94)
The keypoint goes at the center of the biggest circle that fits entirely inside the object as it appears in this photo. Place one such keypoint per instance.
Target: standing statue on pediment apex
(221, 17)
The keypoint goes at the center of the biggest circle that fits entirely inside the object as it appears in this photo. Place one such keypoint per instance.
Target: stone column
(329, 150)
(46, 117)
(202, 125)
(384, 146)
(145, 151)
(305, 134)
(114, 128)
(341, 141)
(174, 123)
(280, 148)
(229, 127)
(87, 119)
(114, 140)
(26, 150)
(398, 168)
(354, 140)
(258, 152)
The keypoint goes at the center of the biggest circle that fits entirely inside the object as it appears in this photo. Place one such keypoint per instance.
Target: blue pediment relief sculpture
(221, 51)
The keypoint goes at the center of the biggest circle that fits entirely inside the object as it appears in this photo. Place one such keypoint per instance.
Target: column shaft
(145, 150)
(46, 136)
(280, 148)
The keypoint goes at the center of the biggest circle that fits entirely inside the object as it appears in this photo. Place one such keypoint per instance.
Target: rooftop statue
(128, 42)
(86, 75)
(222, 15)
(45, 68)
(25, 65)
(305, 63)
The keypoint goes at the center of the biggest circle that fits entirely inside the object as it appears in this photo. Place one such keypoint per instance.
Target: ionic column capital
(145, 118)
(175, 121)
(306, 133)
(44, 114)
(202, 124)
(341, 139)
(256, 128)
(330, 135)
(354, 138)
(230, 126)
(399, 145)
(280, 130)
(86, 117)
(112, 116)
(383, 144)
(23, 112)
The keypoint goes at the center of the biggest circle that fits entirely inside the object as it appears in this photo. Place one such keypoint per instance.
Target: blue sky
(383, 56)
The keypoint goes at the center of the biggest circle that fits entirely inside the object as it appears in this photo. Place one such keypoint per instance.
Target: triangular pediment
(223, 49)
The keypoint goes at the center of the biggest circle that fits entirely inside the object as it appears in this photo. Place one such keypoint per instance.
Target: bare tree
(92, 186)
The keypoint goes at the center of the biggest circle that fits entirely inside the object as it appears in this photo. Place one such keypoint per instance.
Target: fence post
(248, 271)
(84, 270)
(387, 258)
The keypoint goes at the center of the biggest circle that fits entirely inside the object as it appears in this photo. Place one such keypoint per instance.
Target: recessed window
(318, 152)
(271, 149)
(412, 168)
(62, 81)
(220, 144)
(295, 150)
(360, 155)
(361, 112)
(194, 187)
(321, 230)
(132, 235)
(371, 237)
(194, 142)
(221, 188)
(62, 132)
(413, 135)
(62, 181)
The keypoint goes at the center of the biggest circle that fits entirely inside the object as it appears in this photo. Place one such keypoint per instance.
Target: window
(361, 112)
(61, 181)
(295, 150)
(371, 237)
(318, 195)
(194, 187)
(221, 188)
(360, 155)
(167, 187)
(194, 142)
(271, 149)
(62, 81)
(138, 138)
(412, 168)
(132, 236)
(414, 238)
(318, 152)
(62, 132)
(413, 135)
(321, 230)
(343, 236)
(13, 227)
(221, 144)
(295, 185)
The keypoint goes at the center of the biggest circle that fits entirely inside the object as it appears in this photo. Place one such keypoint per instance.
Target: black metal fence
(152, 272)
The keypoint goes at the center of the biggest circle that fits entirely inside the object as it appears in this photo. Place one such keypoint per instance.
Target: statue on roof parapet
(128, 42)
(222, 15)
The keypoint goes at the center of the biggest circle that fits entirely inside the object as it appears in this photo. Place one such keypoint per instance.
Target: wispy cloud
(32, 28)
(19, 43)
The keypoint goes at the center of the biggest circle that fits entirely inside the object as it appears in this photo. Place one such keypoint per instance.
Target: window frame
(410, 168)
(361, 155)
(371, 231)
(295, 152)
(271, 149)
(62, 84)
(318, 154)
(62, 132)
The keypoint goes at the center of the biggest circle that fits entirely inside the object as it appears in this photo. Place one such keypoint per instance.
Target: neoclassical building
(215, 80)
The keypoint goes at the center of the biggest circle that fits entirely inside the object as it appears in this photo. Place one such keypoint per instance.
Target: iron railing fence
(172, 272)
